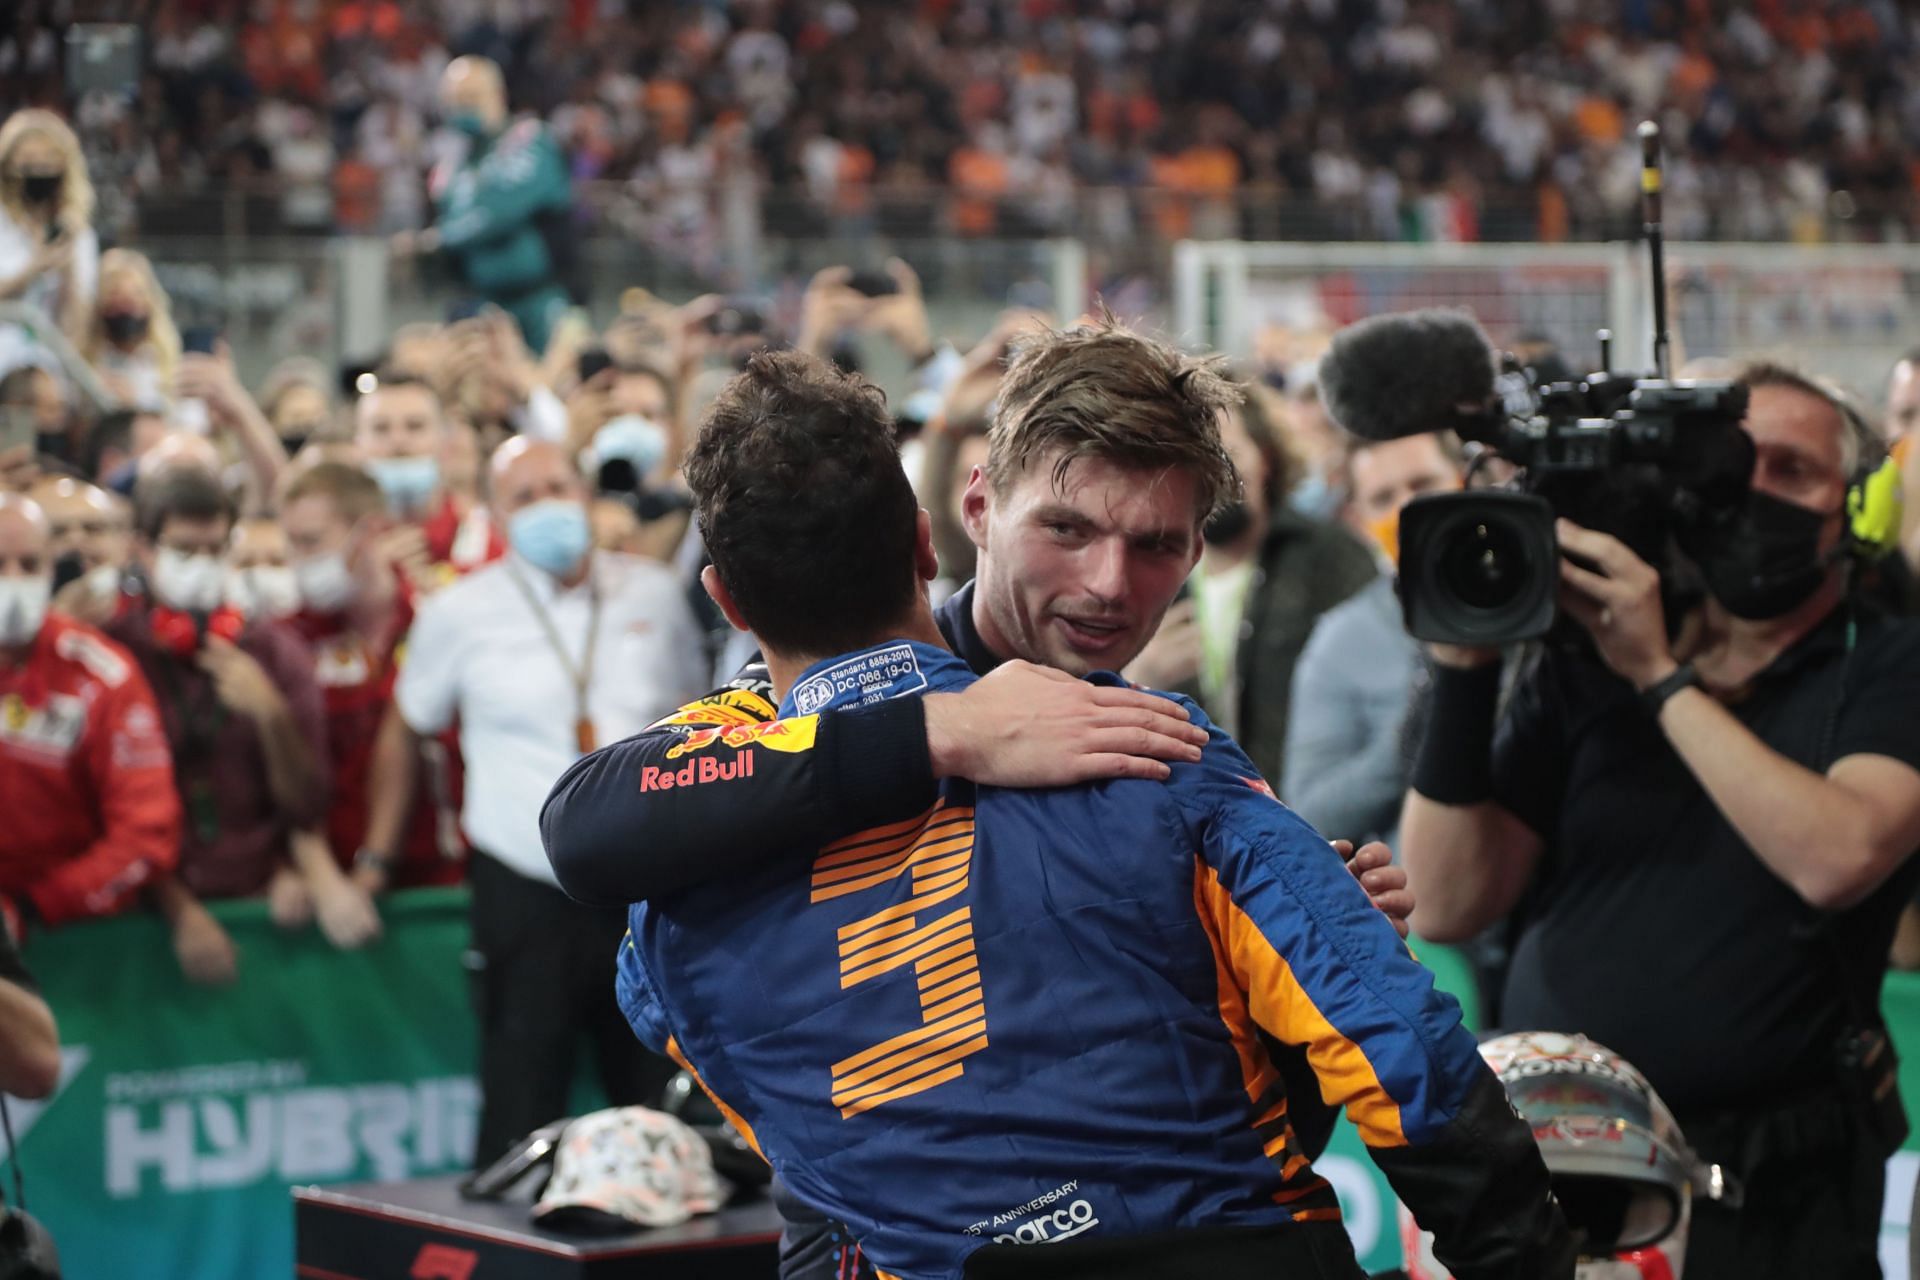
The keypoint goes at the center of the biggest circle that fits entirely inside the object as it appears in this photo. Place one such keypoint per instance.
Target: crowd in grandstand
(1391, 120)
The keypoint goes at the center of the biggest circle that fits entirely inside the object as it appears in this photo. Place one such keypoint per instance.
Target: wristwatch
(1656, 695)
(368, 857)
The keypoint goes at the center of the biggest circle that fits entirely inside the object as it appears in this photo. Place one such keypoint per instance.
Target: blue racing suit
(1031, 1018)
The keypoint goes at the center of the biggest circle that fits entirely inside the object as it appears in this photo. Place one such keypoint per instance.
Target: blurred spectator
(129, 336)
(1901, 424)
(538, 657)
(86, 780)
(353, 612)
(242, 713)
(1267, 575)
(117, 442)
(260, 581)
(1346, 762)
(92, 532)
(297, 399)
(1447, 121)
(49, 254)
(32, 393)
(501, 209)
(423, 465)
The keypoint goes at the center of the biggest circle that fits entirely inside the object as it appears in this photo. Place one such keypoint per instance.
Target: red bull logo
(695, 772)
(772, 733)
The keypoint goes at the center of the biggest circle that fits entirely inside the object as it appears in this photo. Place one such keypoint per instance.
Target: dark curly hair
(804, 507)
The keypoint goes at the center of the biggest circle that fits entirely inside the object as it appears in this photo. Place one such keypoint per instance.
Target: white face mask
(103, 580)
(23, 607)
(264, 591)
(194, 583)
(325, 581)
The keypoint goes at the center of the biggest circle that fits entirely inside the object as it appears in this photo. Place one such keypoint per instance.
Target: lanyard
(582, 675)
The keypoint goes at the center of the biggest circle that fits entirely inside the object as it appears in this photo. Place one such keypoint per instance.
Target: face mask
(264, 591)
(295, 438)
(41, 188)
(68, 567)
(1314, 497)
(1227, 524)
(552, 535)
(325, 581)
(1768, 562)
(1385, 533)
(124, 328)
(628, 438)
(408, 483)
(192, 583)
(23, 607)
(103, 581)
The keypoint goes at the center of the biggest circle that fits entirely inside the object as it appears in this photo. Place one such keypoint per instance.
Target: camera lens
(1477, 568)
(1484, 564)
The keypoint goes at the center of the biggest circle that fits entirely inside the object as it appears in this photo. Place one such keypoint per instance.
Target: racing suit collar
(895, 669)
(955, 620)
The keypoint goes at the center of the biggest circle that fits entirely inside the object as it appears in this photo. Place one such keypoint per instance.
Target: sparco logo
(696, 771)
(1049, 1228)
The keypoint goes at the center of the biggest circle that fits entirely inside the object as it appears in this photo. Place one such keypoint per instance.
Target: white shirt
(478, 651)
(18, 243)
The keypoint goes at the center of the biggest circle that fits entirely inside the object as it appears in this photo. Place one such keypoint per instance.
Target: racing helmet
(1623, 1173)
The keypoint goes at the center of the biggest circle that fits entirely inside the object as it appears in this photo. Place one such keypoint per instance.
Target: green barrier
(185, 1114)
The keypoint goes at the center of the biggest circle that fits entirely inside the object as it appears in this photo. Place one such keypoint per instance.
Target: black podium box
(424, 1231)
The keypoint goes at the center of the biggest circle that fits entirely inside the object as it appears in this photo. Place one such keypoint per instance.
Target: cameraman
(1707, 839)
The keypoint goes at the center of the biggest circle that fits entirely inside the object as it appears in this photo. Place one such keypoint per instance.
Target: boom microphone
(1410, 373)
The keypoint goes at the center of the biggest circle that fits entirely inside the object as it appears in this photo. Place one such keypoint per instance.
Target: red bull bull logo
(776, 735)
(695, 772)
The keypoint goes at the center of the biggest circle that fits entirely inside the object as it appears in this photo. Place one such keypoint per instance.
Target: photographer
(1707, 838)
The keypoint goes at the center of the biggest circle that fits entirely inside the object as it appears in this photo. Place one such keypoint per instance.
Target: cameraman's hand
(1619, 605)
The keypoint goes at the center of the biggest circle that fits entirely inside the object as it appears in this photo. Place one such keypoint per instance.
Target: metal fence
(1845, 311)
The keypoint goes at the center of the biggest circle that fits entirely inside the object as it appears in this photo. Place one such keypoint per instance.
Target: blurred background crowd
(1108, 119)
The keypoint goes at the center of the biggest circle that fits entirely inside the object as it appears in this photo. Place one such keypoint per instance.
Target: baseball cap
(626, 1167)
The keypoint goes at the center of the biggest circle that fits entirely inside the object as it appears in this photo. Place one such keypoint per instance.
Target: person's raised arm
(211, 379)
(629, 824)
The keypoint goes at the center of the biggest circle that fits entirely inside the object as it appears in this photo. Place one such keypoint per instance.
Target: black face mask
(1227, 524)
(1768, 562)
(125, 328)
(67, 567)
(41, 188)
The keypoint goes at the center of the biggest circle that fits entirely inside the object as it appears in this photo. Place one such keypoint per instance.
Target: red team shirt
(356, 681)
(87, 787)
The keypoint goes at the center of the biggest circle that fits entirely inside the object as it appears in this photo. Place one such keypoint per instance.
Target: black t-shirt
(1651, 926)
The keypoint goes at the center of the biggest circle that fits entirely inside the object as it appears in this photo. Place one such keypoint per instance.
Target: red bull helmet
(1623, 1173)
